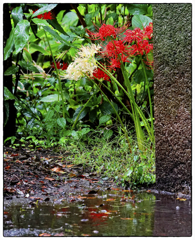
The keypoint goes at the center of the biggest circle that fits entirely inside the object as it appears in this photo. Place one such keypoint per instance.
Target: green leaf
(50, 98)
(112, 15)
(128, 173)
(7, 94)
(108, 133)
(26, 55)
(49, 115)
(104, 119)
(137, 9)
(61, 122)
(44, 9)
(9, 45)
(56, 35)
(88, 19)
(34, 47)
(93, 115)
(21, 35)
(140, 21)
(140, 170)
(54, 23)
(106, 108)
(83, 131)
(135, 158)
(11, 70)
(70, 19)
(82, 115)
(60, 16)
(28, 66)
(17, 15)
(40, 22)
(6, 112)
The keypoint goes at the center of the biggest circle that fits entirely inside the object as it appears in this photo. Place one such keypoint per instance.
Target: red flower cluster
(138, 38)
(106, 31)
(63, 66)
(98, 73)
(136, 42)
(46, 16)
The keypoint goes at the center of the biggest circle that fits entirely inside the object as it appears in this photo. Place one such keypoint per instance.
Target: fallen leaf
(148, 191)
(35, 198)
(59, 235)
(68, 166)
(44, 235)
(85, 235)
(57, 169)
(50, 179)
(128, 190)
(116, 189)
(181, 199)
(8, 167)
(18, 161)
(110, 199)
(6, 159)
(14, 154)
(127, 218)
(72, 175)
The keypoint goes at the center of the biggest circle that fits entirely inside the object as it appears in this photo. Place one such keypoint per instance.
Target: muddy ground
(44, 175)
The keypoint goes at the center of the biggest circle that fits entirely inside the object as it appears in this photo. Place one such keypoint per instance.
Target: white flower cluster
(84, 64)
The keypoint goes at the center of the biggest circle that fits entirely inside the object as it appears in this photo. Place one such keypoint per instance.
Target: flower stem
(59, 81)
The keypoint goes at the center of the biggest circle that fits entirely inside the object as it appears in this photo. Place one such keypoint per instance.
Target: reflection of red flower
(59, 66)
(98, 73)
(46, 16)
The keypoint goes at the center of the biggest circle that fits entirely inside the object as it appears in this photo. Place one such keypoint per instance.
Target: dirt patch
(43, 175)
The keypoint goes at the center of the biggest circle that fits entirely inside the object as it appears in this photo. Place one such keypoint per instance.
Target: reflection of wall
(172, 218)
(172, 91)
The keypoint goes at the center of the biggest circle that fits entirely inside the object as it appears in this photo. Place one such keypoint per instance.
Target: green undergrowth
(112, 159)
(109, 158)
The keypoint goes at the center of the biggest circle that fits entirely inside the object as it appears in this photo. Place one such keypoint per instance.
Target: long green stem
(129, 93)
(81, 111)
(59, 81)
(149, 96)
(123, 127)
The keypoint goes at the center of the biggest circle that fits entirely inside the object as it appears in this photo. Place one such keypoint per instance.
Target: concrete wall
(172, 95)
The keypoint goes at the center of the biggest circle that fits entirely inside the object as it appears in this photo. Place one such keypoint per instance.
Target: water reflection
(112, 213)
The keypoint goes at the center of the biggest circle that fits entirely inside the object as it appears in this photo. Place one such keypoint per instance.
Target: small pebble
(177, 207)
(95, 231)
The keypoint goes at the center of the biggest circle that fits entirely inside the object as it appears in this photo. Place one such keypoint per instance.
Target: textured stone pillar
(172, 95)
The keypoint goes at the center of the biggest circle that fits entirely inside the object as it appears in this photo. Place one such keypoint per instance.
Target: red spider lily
(133, 35)
(60, 66)
(115, 62)
(141, 48)
(64, 66)
(106, 31)
(98, 73)
(148, 31)
(115, 48)
(46, 16)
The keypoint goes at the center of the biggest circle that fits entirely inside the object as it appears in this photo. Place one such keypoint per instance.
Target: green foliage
(52, 110)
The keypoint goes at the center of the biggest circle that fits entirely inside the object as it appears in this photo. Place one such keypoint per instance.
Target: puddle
(108, 213)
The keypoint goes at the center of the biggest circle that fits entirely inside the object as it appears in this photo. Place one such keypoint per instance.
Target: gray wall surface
(172, 95)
